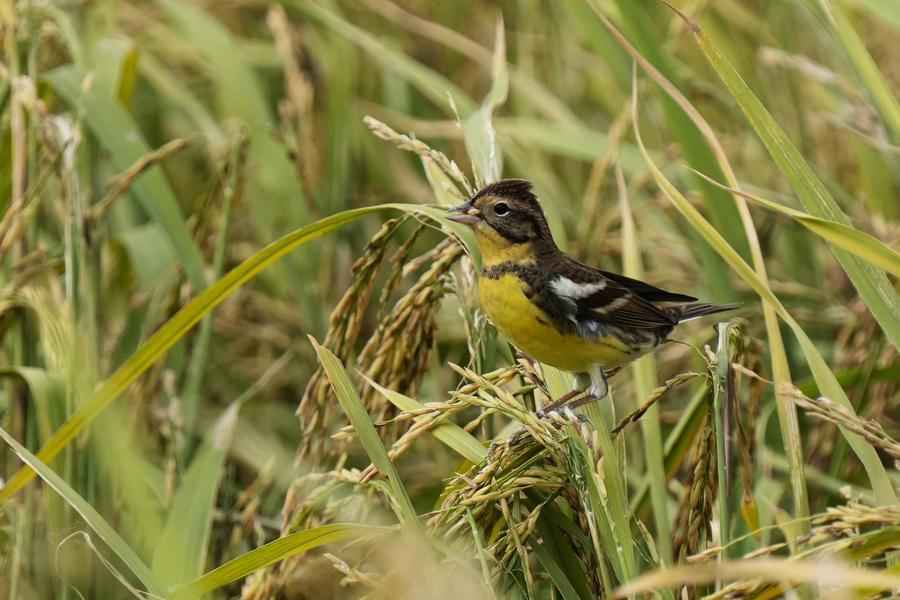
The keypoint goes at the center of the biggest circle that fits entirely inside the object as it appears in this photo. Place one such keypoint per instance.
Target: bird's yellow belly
(532, 331)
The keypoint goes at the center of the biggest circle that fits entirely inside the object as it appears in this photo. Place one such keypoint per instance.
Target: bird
(556, 309)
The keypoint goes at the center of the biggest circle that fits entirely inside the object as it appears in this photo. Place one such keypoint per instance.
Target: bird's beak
(465, 213)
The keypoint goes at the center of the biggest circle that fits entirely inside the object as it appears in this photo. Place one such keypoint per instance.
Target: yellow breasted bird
(556, 309)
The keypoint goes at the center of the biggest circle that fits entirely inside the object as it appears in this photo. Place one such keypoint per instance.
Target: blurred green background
(148, 148)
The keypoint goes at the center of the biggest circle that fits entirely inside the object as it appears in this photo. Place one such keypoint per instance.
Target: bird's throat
(496, 249)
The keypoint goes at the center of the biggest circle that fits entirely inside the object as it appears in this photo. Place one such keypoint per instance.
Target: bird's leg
(597, 390)
(591, 387)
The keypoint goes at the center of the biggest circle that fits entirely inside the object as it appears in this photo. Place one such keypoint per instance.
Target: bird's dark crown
(513, 189)
(525, 221)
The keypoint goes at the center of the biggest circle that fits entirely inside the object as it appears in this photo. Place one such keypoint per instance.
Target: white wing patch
(565, 287)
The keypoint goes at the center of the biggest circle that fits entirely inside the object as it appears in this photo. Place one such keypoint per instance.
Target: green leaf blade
(182, 322)
(87, 512)
(872, 284)
(827, 381)
(181, 548)
(271, 553)
(120, 136)
(365, 429)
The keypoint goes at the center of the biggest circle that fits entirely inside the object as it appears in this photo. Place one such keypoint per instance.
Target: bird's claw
(564, 414)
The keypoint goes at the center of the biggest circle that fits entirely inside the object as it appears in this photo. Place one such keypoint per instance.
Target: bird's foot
(586, 398)
(565, 405)
(563, 408)
(558, 403)
(532, 362)
(564, 414)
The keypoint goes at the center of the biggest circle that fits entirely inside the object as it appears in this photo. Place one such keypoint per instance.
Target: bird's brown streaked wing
(604, 301)
(630, 310)
(646, 291)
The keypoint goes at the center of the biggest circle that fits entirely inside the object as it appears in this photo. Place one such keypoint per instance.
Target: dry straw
(396, 355)
(411, 144)
(655, 395)
(847, 533)
(501, 497)
(318, 407)
(827, 410)
(871, 430)
(696, 510)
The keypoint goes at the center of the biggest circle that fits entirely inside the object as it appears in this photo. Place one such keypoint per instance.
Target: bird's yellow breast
(504, 301)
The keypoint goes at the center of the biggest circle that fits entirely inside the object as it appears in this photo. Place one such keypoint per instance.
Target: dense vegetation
(240, 347)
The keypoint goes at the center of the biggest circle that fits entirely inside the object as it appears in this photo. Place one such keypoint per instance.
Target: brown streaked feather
(615, 303)
(701, 309)
(646, 291)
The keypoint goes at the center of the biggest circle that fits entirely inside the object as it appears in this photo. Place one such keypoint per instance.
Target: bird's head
(507, 219)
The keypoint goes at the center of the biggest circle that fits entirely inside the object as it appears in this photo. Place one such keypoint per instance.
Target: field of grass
(241, 353)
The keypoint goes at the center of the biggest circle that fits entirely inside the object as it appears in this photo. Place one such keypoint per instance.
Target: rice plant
(241, 348)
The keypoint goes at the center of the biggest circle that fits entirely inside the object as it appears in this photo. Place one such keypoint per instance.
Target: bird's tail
(696, 310)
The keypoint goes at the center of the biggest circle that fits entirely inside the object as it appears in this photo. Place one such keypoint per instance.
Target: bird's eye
(501, 209)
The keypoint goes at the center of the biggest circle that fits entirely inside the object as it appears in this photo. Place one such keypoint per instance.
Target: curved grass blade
(87, 512)
(828, 383)
(644, 374)
(787, 413)
(176, 327)
(181, 548)
(846, 237)
(866, 68)
(647, 28)
(271, 553)
(873, 286)
(365, 429)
